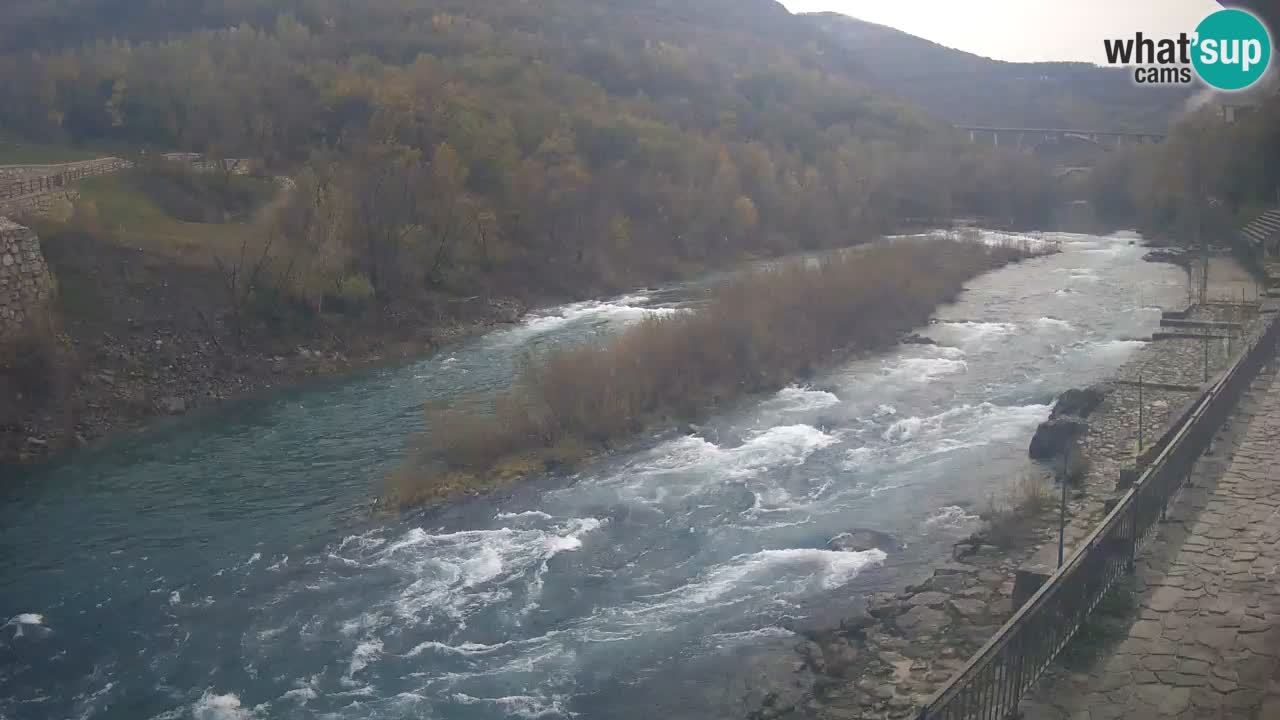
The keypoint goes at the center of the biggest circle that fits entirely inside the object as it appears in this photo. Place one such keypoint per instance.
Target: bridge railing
(997, 677)
(58, 177)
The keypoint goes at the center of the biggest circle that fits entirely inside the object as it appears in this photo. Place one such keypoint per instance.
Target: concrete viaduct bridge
(1038, 137)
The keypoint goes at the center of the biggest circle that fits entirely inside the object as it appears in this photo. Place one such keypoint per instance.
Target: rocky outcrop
(1056, 437)
(1066, 424)
(1079, 403)
(886, 661)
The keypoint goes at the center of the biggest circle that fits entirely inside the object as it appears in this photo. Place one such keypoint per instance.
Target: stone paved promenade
(1205, 642)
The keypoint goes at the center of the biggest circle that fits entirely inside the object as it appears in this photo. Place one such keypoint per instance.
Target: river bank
(135, 366)
(137, 337)
(888, 660)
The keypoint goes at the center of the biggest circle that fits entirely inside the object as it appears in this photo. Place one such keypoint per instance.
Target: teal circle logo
(1233, 49)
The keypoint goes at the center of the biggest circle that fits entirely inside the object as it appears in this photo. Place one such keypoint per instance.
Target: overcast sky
(1024, 30)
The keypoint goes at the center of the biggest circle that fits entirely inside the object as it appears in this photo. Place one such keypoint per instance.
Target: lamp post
(1062, 509)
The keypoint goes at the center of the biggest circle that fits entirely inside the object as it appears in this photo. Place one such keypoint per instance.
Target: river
(228, 564)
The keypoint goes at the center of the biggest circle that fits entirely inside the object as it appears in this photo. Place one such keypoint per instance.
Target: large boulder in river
(861, 540)
(1079, 403)
(1056, 437)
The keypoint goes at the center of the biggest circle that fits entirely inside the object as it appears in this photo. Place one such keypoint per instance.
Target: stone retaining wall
(25, 282)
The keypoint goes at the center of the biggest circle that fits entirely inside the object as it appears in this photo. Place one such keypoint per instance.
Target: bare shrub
(1011, 513)
(756, 333)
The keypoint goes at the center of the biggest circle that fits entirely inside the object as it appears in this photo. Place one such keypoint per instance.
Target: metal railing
(995, 679)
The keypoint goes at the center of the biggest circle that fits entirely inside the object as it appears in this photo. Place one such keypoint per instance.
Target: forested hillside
(1236, 166)
(968, 89)
(581, 144)
(443, 162)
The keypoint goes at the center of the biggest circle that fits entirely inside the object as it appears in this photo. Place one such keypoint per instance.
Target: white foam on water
(966, 426)
(904, 429)
(215, 706)
(448, 576)
(23, 620)
(1038, 242)
(365, 652)
(624, 310)
(302, 695)
(747, 637)
(175, 597)
(466, 648)
(1126, 235)
(1118, 347)
(527, 514)
(858, 456)
(799, 399)
(770, 499)
(804, 569)
(884, 410)
(926, 369)
(522, 706)
(1051, 322)
(783, 445)
(951, 516)
(969, 331)
(367, 541)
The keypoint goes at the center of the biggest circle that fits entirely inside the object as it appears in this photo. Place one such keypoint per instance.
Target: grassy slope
(134, 219)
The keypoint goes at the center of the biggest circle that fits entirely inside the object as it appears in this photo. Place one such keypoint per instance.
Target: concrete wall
(25, 282)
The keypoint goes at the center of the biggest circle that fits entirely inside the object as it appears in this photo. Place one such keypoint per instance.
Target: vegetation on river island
(756, 332)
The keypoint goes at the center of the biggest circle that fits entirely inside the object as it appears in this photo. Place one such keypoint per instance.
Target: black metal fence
(993, 682)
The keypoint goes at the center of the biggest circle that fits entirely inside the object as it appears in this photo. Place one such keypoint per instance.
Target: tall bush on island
(756, 333)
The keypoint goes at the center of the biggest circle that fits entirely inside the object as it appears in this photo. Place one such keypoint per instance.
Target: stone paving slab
(1205, 642)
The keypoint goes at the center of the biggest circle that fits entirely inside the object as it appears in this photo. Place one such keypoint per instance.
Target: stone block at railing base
(1033, 573)
(1128, 476)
